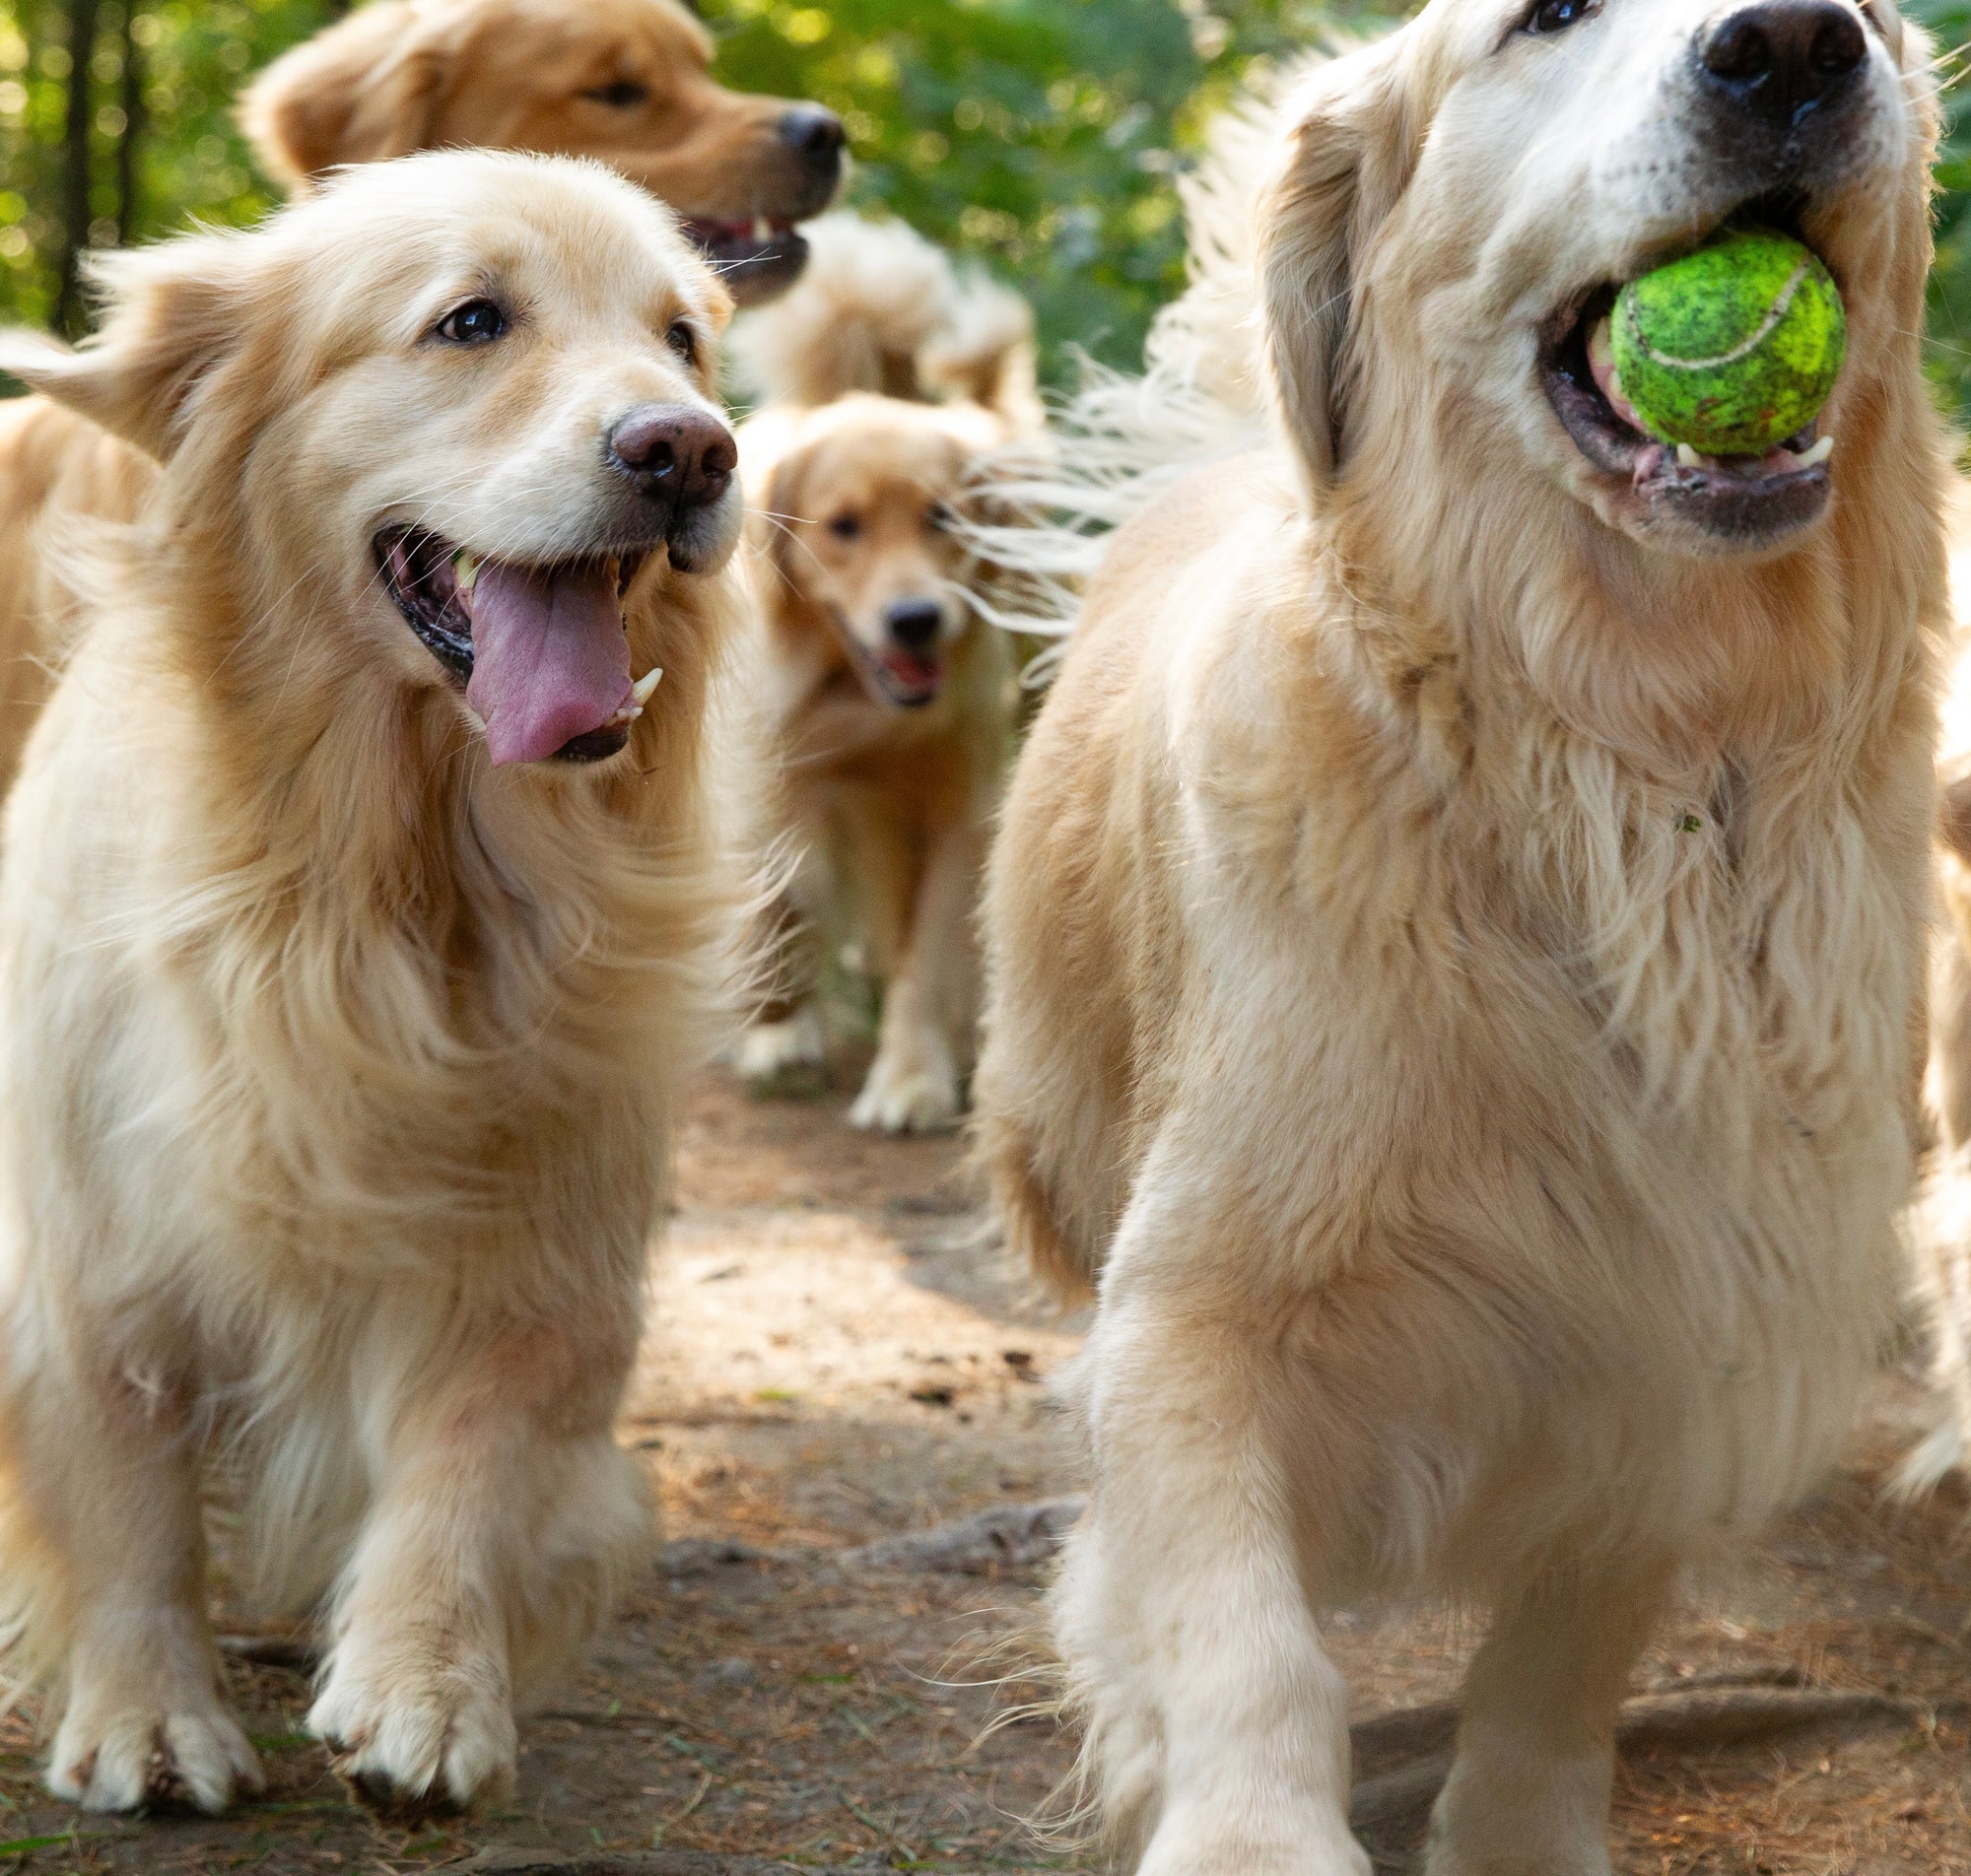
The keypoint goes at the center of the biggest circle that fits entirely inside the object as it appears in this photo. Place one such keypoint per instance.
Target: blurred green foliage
(1041, 136)
(1949, 23)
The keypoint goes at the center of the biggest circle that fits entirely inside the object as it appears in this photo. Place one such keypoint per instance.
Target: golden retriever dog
(890, 698)
(1940, 1226)
(627, 82)
(362, 898)
(1456, 940)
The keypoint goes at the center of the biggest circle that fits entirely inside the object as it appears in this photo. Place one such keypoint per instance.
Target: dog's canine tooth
(1687, 458)
(645, 684)
(1819, 453)
(763, 230)
(465, 569)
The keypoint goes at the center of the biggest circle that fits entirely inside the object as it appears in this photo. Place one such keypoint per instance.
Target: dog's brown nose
(1783, 59)
(677, 453)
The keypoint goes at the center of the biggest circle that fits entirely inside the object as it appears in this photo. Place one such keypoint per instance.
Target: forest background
(1043, 138)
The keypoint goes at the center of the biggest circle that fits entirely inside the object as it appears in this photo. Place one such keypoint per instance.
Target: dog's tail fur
(881, 310)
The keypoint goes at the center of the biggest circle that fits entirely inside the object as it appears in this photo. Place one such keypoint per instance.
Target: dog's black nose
(915, 623)
(1785, 58)
(815, 136)
(678, 455)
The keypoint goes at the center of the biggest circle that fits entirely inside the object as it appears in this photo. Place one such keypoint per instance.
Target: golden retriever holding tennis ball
(1455, 937)
(363, 903)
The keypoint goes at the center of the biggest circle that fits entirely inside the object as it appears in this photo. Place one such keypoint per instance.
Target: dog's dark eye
(623, 93)
(683, 341)
(477, 322)
(1556, 15)
(846, 526)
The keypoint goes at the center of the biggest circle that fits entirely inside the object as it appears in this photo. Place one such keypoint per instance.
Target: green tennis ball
(1732, 349)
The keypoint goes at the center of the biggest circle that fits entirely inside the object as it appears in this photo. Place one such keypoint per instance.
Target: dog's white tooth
(1819, 454)
(1687, 458)
(646, 684)
(627, 715)
(465, 570)
(763, 230)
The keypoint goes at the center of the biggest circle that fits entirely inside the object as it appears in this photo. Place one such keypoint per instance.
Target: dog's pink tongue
(550, 661)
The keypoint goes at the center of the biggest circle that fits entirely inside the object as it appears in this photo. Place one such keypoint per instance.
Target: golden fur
(334, 1107)
(404, 75)
(860, 487)
(1455, 953)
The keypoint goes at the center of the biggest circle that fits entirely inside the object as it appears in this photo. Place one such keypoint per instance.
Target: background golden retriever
(358, 920)
(1455, 939)
(891, 703)
(627, 82)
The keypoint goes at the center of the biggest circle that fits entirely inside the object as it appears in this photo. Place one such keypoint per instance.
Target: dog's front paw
(909, 1092)
(771, 1054)
(1190, 1845)
(411, 1733)
(132, 1757)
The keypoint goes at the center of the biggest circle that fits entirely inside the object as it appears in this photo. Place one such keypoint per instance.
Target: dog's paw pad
(141, 1759)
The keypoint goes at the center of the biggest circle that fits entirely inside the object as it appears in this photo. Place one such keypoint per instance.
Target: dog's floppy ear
(1347, 158)
(174, 312)
(366, 90)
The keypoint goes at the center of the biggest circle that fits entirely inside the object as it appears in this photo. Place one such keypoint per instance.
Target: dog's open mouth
(909, 680)
(756, 258)
(540, 651)
(1736, 498)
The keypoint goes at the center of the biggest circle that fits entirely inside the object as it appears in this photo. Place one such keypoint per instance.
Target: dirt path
(837, 1359)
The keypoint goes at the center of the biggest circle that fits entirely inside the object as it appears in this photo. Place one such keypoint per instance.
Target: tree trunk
(70, 310)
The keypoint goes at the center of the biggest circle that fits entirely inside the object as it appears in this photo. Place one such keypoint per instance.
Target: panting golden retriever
(627, 82)
(360, 905)
(890, 385)
(1456, 940)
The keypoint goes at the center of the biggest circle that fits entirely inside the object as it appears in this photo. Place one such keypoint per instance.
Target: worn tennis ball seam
(1776, 315)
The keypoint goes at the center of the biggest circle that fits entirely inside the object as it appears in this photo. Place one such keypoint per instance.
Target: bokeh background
(1042, 137)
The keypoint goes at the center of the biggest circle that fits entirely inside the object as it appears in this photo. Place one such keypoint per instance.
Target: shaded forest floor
(837, 1359)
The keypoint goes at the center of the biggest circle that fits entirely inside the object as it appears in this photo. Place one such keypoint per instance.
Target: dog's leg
(789, 1039)
(1528, 1792)
(506, 1521)
(116, 1486)
(913, 1084)
(1217, 1726)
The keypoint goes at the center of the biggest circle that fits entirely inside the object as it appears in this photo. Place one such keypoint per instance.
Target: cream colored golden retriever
(624, 81)
(889, 386)
(1456, 941)
(360, 903)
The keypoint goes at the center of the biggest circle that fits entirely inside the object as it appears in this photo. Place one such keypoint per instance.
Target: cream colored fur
(863, 487)
(1455, 959)
(335, 1099)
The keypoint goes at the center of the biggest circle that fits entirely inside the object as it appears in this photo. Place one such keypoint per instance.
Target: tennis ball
(1732, 349)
